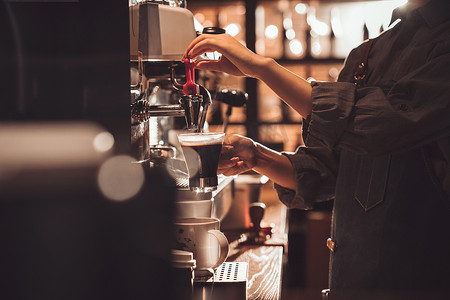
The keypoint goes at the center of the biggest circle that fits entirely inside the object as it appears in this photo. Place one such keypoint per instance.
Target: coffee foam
(192, 139)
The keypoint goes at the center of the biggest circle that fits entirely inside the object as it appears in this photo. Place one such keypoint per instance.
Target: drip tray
(229, 282)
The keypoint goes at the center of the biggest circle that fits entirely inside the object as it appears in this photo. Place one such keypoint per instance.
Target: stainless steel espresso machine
(159, 35)
(160, 32)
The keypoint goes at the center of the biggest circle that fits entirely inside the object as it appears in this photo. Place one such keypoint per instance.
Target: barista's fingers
(204, 46)
(222, 65)
(229, 172)
(195, 41)
(226, 149)
(239, 168)
(212, 65)
(203, 43)
(225, 165)
(228, 163)
(223, 43)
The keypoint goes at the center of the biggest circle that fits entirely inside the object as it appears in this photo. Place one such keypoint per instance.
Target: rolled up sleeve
(332, 104)
(378, 120)
(315, 166)
(315, 173)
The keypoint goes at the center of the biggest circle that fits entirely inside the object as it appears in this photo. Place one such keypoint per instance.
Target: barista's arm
(301, 178)
(276, 166)
(240, 61)
(293, 89)
(241, 154)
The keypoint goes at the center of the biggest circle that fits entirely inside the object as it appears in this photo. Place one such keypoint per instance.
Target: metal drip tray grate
(231, 271)
(229, 282)
(182, 182)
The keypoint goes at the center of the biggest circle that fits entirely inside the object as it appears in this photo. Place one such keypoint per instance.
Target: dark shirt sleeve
(315, 171)
(370, 120)
(410, 112)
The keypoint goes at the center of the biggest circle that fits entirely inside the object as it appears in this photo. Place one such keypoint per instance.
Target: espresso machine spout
(192, 107)
(195, 106)
(141, 111)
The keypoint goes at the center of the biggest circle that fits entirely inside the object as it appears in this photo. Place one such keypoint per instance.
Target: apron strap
(361, 71)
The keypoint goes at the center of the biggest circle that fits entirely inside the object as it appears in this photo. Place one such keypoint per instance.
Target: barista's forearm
(274, 165)
(293, 89)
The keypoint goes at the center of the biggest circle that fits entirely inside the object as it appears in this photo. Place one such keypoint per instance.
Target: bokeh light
(233, 29)
(301, 8)
(271, 32)
(290, 34)
(103, 141)
(296, 47)
(120, 179)
(287, 23)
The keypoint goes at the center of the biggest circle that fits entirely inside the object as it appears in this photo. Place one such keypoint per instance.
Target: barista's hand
(241, 154)
(238, 155)
(236, 58)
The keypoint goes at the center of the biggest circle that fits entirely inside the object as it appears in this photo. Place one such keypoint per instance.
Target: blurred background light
(296, 47)
(208, 23)
(301, 8)
(120, 179)
(198, 26)
(319, 27)
(200, 17)
(316, 48)
(290, 34)
(336, 24)
(287, 23)
(103, 141)
(233, 29)
(271, 32)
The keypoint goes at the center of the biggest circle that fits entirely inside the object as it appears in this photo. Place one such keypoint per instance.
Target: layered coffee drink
(201, 152)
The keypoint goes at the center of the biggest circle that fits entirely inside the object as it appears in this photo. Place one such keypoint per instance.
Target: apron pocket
(372, 180)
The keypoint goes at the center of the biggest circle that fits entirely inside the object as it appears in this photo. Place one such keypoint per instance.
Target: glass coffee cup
(201, 152)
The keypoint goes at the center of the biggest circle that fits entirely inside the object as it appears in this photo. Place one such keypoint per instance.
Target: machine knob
(213, 30)
(232, 97)
(140, 111)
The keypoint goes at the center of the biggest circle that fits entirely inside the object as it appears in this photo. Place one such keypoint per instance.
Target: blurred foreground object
(62, 236)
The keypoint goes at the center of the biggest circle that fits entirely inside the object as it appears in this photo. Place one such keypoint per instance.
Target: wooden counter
(265, 261)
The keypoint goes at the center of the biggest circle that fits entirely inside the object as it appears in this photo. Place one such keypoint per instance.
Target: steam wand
(232, 99)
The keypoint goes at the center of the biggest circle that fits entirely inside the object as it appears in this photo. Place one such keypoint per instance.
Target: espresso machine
(160, 32)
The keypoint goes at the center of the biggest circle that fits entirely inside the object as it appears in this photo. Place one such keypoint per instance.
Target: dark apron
(391, 224)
